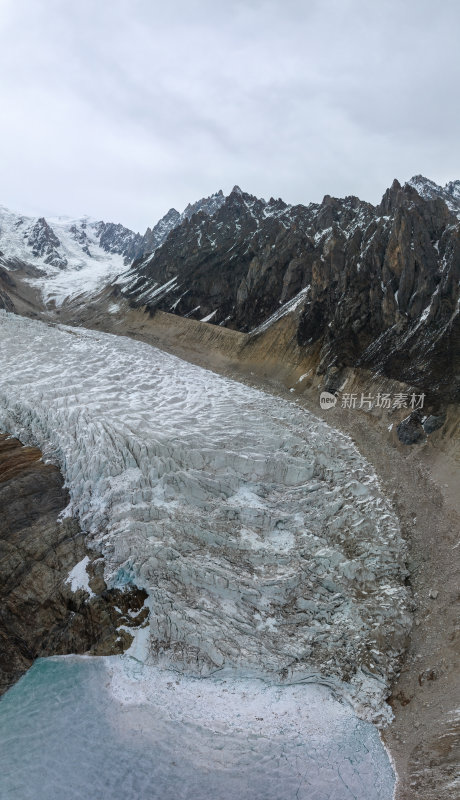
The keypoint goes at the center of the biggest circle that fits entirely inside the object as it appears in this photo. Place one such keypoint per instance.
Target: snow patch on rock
(78, 577)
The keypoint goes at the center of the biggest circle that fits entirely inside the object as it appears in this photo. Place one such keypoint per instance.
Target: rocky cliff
(42, 611)
(375, 286)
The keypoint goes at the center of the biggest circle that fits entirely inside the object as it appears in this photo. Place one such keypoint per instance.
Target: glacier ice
(259, 533)
(113, 729)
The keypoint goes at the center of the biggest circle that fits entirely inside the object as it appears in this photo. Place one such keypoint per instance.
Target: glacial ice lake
(87, 728)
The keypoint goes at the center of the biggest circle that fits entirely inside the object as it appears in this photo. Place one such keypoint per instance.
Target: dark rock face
(434, 422)
(44, 242)
(40, 615)
(115, 238)
(411, 430)
(6, 284)
(118, 239)
(380, 285)
(154, 237)
(208, 205)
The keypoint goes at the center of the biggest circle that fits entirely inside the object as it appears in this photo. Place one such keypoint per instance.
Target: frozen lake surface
(111, 729)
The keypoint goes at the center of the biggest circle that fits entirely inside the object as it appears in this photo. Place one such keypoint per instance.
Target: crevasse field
(274, 569)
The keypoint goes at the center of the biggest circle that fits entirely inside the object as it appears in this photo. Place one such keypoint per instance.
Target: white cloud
(123, 109)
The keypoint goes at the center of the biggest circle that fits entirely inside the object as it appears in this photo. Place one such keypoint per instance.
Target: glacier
(260, 534)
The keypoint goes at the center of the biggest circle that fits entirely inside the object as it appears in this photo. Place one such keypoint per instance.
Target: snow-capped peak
(73, 255)
(208, 205)
(430, 190)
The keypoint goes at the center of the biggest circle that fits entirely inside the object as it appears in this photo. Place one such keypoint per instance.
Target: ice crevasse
(260, 533)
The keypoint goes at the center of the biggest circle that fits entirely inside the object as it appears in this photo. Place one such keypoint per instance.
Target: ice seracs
(259, 533)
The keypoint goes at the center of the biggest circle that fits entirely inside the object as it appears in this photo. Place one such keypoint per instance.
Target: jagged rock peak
(115, 238)
(278, 204)
(393, 197)
(209, 205)
(419, 181)
(44, 243)
(429, 190)
(173, 213)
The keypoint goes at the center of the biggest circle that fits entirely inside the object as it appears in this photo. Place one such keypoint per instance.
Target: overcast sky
(123, 108)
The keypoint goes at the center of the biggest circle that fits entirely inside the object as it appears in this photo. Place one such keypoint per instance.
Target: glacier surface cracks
(260, 533)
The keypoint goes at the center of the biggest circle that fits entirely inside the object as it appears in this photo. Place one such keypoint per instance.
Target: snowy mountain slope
(60, 242)
(259, 533)
(75, 256)
(68, 255)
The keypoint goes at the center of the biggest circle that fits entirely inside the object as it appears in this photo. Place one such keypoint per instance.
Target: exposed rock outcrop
(115, 238)
(44, 243)
(6, 285)
(40, 614)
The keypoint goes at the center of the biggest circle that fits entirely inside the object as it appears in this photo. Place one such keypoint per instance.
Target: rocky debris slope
(372, 286)
(43, 611)
(259, 533)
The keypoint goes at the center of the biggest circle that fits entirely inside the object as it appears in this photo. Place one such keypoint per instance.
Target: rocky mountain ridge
(428, 189)
(372, 286)
(154, 237)
(98, 250)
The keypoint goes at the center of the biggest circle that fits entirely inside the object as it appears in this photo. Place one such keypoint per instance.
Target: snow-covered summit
(62, 242)
(429, 190)
(71, 255)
